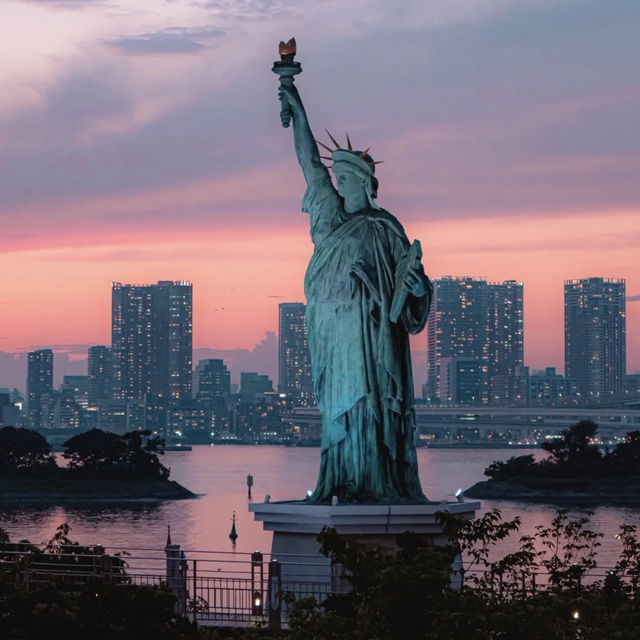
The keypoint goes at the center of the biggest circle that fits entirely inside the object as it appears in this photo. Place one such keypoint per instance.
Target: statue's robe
(360, 360)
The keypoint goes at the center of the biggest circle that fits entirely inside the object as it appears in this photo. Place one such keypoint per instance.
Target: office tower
(458, 326)
(151, 340)
(462, 380)
(294, 362)
(595, 337)
(253, 384)
(512, 389)
(99, 373)
(212, 391)
(79, 387)
(472, 319)
(67, 410)
(211, 380)
(633, 384)
(39, 383)
(9, 412)
(547, 388)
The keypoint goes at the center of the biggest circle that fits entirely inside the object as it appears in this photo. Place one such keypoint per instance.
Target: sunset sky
(140, 141)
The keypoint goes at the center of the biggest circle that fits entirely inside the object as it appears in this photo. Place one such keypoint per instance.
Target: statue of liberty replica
(366, 292)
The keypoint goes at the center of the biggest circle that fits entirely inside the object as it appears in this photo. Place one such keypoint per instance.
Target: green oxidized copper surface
(362, 266)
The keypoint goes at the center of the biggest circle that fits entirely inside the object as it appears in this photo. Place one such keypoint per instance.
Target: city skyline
(264, 356)
(127, 155)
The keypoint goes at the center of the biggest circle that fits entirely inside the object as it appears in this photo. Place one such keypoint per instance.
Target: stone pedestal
(295, 527)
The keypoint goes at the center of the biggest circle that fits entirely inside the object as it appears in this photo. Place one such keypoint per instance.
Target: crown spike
(333, 140)
(349, 142)
(325, 158)
(371, 164)
(364, 153)
(324, 146)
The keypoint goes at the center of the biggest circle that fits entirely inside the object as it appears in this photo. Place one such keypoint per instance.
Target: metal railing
(242, 589)
(221, 588)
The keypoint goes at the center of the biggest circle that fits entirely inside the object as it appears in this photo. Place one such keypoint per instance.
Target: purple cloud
(172, 40)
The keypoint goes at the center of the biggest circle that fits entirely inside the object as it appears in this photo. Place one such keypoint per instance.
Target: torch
(286, 68)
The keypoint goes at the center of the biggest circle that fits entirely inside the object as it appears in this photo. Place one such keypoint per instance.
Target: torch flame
(287, 48)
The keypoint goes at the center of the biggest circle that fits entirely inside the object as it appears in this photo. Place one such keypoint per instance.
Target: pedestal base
(296, 525)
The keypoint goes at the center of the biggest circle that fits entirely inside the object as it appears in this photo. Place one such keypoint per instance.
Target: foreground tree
(545, 590)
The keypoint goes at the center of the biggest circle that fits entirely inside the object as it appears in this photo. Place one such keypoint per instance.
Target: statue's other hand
(415, 280)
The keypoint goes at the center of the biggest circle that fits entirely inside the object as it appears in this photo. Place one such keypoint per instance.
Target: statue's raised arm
(293, 109)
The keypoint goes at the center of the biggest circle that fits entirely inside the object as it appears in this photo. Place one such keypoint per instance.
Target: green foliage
(392, 594)
(60, 591)
(24, 450)
(542, 591)
(575, 449)
(95, 448)
(514, 466)
(96, 610)
(109, 454)
(574, 463)
(96, 453)
(568, 550)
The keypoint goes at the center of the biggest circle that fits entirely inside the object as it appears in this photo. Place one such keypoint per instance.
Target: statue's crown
(361, 159)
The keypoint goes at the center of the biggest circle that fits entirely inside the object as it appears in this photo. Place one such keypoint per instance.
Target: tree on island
(574, 457)
(24, 450)
(133, 454)
(575, 448)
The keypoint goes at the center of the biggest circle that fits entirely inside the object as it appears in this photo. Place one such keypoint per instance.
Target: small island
(101, 466)
(577, 472)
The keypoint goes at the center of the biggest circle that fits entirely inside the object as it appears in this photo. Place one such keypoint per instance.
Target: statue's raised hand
(291, 103)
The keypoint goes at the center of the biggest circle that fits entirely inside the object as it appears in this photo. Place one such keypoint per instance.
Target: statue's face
(351, 185)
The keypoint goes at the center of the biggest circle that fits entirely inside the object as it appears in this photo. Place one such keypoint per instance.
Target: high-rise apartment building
(174, 326)
(39, 383)
(506, 328)
(151, 340)
(99, 373)
(294, 362)
(595, 336)
(474, 320)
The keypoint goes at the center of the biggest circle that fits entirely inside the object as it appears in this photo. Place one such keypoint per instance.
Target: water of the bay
(218, 475)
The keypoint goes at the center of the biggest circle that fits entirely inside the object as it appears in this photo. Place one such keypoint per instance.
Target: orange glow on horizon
(62, 295)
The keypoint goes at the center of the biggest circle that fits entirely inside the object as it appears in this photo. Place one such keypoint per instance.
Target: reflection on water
(218, 474)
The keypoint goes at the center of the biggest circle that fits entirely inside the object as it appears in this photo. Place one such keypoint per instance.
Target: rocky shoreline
(569, 491)
(59, 490)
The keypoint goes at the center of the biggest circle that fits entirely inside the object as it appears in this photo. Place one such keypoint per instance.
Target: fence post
(176, 564)
(273, 596)
(194, 595)
(257, 582)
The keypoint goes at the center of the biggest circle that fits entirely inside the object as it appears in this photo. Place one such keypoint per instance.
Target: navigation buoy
(234, 534)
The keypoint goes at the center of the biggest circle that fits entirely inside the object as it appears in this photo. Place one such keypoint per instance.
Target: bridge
(500, 425)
